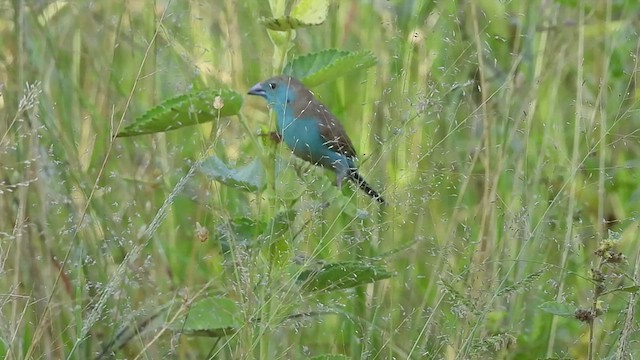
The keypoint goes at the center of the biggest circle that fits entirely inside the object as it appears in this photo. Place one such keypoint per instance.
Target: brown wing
(306, 105)
(333, 133)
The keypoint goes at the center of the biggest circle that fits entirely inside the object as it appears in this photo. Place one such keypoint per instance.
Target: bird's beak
(257, 90)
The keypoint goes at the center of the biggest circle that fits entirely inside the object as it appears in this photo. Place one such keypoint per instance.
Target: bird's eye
(272, 86)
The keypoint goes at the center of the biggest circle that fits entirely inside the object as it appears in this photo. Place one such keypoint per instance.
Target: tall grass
(503, 135)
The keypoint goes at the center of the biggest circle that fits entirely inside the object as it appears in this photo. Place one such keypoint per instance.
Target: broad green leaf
(305, 13)
(560, 309)
(342, 275)
(311, 11)
(242, 231)
(213, 317)
(317, 68)
(279, 244)
(192, 108)
(281, 223)
(245, 231)
(250, 177)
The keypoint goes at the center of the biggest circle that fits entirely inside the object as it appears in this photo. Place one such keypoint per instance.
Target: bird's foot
(339, 180)
(274, 136)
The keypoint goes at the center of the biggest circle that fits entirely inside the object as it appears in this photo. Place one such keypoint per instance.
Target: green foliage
(250, 177)
(241, 231)
(247, 232)
(212, 317)
(311, 11)
(328, 65)
(342, 275)
(558, 308)
(628, 289)
(285, 23)
(135, 329)
(195, 107)
(303, 14)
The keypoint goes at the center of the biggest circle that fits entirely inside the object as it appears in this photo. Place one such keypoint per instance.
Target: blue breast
(302, 136)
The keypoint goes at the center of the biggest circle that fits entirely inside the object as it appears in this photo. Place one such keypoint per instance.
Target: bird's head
(278, 91)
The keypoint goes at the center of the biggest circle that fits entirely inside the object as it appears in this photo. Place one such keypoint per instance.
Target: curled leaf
(250, 177)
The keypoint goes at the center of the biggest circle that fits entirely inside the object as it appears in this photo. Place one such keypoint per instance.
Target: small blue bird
(310, 130)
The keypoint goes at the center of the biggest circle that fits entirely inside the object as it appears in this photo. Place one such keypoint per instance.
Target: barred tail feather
(362, 184)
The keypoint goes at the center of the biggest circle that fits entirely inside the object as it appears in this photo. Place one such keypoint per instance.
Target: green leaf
(250, 177)
(312, 12)
(195, 107)
(284, 23)
(213, 317)
(629, 289)
(248, 232)
(557, 308)
(280, 246)
(281, 223)
(327, 65)
(242, 231)
(304, 14)
(342, 275)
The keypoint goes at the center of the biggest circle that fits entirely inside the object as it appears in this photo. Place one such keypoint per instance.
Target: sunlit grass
(503, 135)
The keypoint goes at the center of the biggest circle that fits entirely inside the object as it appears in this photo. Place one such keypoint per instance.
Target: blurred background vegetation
(503, 134)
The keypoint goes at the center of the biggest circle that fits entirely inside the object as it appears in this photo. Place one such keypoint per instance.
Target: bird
(310, 130)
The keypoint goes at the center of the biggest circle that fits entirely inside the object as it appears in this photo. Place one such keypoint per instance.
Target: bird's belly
(303, 138)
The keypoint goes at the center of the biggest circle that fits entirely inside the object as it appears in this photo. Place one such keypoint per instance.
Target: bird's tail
(362, 184)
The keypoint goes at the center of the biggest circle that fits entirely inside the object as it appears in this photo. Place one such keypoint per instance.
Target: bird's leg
(274, 136)
(340, 176)
(277, 138)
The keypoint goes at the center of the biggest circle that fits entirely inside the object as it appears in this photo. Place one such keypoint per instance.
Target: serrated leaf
(214, 317)
(195, 107)
(250, 177)
(327, 65)
(311, 11)
(342, 275)
(557, 308)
